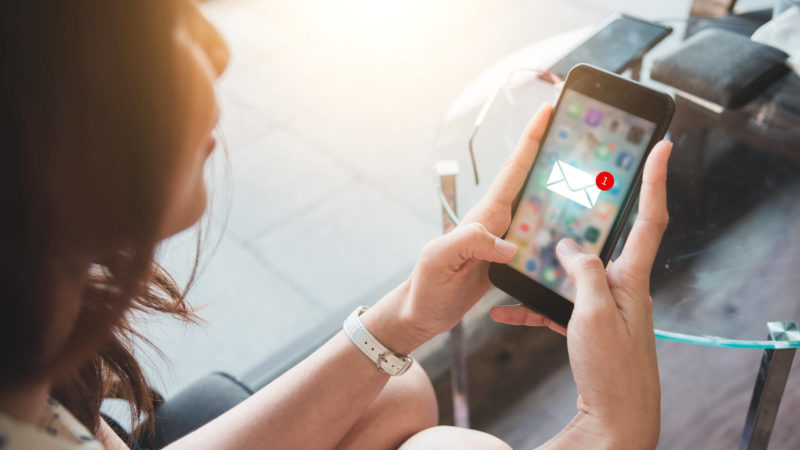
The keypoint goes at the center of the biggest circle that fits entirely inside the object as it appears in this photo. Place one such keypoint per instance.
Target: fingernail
(505, 248)
(568, 246)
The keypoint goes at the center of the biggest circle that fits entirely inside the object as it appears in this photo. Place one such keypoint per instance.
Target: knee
(445, 437)
(405, 406)
(413, 394)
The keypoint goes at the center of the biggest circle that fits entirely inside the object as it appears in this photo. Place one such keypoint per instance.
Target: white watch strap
(385, 359)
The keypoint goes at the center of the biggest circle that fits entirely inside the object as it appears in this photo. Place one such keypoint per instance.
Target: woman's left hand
(451, 274)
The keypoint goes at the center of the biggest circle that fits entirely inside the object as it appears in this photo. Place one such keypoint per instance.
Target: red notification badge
(604, 181)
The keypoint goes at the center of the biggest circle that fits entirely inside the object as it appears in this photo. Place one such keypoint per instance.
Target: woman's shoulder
(57, 430)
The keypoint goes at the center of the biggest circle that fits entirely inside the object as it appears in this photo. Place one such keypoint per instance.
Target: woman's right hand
(610, 336)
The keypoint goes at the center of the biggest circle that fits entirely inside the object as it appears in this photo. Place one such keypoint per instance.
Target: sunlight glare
(378, 27)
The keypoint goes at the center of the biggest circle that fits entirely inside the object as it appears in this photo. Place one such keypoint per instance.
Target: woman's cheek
(200, 197)
(196, 194)
(187, 199)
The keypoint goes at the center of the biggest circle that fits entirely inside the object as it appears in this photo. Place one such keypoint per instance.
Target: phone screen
(563, 196)
(614, 46)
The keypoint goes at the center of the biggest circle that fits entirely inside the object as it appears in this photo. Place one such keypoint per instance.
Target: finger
(521, 315)
(518, 315)
(642, 245)
(469, 242)
(508, 182)
(557, 328)
(587, 270)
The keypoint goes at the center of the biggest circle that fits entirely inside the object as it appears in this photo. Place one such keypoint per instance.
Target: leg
(405, 406)
(444, 438)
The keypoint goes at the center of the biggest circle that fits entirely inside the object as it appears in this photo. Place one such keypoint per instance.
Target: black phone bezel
(667, 30)
(624, 94)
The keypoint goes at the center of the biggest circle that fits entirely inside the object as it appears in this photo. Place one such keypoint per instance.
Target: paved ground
(330, 111)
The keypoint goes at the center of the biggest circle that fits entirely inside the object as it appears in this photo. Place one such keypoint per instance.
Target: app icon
(593, 117)
(571, 221)
(574, 109)
(534, 203)
(550, 275)
(613, 126)
(524, 227)
(574, 184)
(602, 152)
(591, 234)
(625, 160)
(516, 258)
(612, 146)
(543, 239)
(551, 216)
(563, 133)
(635, 135)
(531, 265)
(540, 180)
(571, 224)
(614, 190)
(603, 210)
(587, 143)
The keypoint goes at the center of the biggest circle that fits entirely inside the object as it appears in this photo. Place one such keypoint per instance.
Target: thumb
(589, 274)
(468, 242)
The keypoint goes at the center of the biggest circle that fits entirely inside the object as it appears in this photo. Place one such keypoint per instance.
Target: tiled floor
(330, 116)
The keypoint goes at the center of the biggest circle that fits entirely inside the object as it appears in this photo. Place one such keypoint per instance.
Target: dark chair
(193, 407)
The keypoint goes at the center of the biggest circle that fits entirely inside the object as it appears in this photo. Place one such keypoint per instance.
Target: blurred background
(325, 189)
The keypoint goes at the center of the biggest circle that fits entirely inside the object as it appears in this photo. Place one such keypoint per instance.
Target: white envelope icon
(574, 184)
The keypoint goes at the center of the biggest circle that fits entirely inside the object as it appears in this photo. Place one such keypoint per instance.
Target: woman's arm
(314, 404)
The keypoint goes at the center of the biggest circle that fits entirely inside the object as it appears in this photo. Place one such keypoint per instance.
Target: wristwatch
(385, 359)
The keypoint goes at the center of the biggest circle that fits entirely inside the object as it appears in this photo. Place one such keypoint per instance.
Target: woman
(108, 108)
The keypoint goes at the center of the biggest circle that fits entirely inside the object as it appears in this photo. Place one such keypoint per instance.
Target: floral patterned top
(57, 430)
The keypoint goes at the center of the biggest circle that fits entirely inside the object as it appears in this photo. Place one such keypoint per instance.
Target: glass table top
(729, 261)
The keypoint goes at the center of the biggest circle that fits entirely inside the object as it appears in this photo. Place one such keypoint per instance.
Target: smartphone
(615, 46)
(582, 183)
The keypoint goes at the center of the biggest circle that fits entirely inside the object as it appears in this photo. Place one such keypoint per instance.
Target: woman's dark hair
(90, 139)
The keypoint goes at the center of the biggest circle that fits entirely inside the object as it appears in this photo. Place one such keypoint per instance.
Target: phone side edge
(622, 218)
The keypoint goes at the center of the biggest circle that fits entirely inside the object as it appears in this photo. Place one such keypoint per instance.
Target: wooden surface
(505, 368)
(521, 389)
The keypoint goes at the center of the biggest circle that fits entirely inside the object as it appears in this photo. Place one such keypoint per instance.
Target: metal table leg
(447, 171)
(636, 69)
(770, 383)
